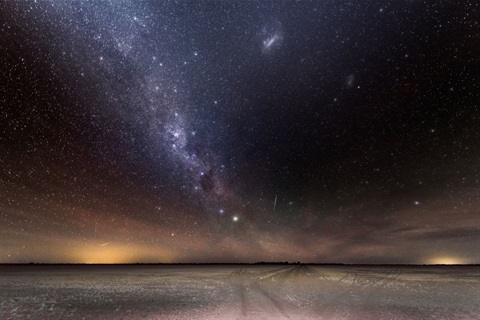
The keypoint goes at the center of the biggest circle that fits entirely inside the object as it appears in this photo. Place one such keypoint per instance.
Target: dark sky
(240, 131)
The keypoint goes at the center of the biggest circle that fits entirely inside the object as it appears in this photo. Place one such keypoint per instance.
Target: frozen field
(239, 292)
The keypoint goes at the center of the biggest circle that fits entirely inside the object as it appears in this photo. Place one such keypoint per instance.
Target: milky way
(239, 131)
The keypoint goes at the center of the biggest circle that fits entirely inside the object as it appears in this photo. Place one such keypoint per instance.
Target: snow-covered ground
(239, 292)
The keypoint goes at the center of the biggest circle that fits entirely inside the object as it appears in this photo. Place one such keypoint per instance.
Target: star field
(325, 131)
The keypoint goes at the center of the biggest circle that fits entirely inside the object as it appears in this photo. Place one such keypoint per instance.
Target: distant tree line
(276, 262)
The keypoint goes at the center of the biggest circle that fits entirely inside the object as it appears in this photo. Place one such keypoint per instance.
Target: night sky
(240, 131)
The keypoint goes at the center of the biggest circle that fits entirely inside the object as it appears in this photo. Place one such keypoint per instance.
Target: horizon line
(236, 263)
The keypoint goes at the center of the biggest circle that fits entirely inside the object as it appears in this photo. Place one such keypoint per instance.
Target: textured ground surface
(239, 292)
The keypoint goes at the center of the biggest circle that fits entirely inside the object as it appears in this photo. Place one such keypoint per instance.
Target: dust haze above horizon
(240, 131)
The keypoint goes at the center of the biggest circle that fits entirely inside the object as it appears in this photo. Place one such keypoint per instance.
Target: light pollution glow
(446, 260)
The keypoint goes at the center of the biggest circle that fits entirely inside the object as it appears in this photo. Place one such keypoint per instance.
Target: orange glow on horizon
(446, 260)
(120, 253)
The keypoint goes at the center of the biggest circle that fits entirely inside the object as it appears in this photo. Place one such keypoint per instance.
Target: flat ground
(239, 292)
